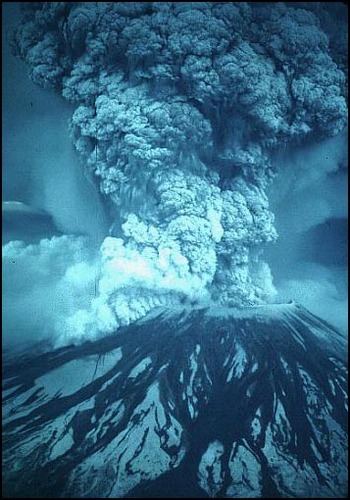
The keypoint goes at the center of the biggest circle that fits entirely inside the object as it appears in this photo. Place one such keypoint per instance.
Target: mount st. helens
(189, 402)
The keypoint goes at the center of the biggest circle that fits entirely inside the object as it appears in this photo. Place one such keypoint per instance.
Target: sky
(40, 165)
(309, 261)
(41, 168)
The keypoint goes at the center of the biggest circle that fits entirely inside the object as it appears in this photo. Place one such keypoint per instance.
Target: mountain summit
(188, 402)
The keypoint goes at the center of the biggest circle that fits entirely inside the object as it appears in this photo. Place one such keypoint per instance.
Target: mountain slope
(184, 403)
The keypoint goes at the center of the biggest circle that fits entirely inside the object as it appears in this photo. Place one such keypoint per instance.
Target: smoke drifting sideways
(309, 261)
(184, 115)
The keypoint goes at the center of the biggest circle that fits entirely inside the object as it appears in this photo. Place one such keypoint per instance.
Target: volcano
(187, 402)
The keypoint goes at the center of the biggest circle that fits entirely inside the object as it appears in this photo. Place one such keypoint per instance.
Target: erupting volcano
(149, 348)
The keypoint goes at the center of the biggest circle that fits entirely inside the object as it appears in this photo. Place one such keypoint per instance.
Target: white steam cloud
(44, 284)
(182, 112)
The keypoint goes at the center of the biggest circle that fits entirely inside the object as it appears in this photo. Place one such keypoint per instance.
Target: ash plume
(180, 111)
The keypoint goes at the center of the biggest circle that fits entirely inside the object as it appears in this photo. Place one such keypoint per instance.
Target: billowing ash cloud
(180, 108)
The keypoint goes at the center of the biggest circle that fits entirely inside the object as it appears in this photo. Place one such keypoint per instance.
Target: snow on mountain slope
(198, 402)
